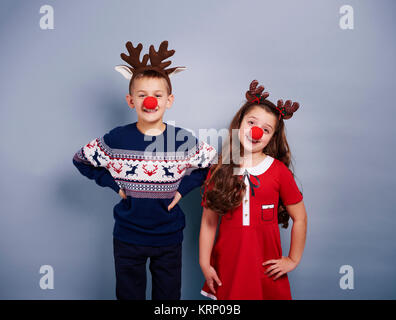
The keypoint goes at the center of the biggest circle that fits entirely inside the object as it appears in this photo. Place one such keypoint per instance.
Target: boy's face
(145, 87)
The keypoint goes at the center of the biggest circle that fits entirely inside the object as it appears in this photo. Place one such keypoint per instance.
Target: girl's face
(259, 117)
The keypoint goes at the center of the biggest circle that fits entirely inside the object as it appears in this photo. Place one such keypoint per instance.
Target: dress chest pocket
(267, 212)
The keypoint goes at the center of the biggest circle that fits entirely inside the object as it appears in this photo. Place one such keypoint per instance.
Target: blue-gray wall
(59, 90)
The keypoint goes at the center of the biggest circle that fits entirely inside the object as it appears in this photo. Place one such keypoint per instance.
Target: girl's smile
(252, 140)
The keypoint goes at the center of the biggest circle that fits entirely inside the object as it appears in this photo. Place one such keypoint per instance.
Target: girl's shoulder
(280, 165)
(279, 169)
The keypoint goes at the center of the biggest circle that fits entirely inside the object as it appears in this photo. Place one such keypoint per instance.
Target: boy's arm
(93, 162)
(202, 160)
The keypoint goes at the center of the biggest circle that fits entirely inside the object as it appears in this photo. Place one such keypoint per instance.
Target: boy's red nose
(150, 102)
(256, 133)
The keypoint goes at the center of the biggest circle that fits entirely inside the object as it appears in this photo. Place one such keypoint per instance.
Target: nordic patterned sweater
(150, 172)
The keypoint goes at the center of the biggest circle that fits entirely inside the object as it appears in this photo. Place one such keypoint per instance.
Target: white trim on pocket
(267, 212)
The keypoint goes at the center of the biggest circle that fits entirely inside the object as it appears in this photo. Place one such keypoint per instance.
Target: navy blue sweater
(150, 169)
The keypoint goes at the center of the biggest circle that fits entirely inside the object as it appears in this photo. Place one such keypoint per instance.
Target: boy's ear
(169, 103)
(176, 70)
(125, 71)
(129, 101)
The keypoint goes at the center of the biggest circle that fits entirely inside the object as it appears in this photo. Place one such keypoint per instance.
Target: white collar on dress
(258, 169)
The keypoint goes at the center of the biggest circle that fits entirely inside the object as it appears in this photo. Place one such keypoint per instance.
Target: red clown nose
(150, 102)
(256, 133)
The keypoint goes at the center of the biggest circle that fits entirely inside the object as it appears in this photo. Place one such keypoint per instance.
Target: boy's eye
(250, 122)
(141, 95)
(158, 96)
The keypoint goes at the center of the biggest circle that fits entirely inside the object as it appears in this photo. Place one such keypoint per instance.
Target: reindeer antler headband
(255, 95)
(156, 59)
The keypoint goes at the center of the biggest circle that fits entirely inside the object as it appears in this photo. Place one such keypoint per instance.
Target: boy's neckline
(145, 134)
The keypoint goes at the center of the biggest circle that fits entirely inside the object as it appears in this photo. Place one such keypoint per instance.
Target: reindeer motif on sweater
(145, 174)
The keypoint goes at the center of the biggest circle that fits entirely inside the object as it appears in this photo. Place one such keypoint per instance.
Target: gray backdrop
(59, 90)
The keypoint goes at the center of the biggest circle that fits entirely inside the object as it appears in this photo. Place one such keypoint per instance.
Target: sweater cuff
(183, 189)
(116, 188)
(112, 184)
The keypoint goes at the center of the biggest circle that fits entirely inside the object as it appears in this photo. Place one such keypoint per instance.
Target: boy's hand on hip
(122, 194)
(175, 200)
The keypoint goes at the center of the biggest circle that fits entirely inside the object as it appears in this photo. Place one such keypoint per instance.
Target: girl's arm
(298, 234)
(206, 239)
(299, 230)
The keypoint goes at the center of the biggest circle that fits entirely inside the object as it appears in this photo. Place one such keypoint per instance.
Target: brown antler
(156, 59)
(163, 53)
(288, 108)
(253, 88)
(255, 91)
(134, 56)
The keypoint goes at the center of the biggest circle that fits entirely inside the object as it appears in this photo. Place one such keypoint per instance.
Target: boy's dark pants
(130, 267)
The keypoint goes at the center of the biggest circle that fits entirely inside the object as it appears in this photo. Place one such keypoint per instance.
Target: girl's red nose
(150, 102)
(256, 133)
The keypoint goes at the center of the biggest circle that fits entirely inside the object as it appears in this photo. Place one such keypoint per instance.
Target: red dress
(249, 235)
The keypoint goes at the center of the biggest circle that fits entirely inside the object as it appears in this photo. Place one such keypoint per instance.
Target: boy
(148, 223)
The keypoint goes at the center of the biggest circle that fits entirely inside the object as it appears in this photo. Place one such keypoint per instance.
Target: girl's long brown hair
(227, 189)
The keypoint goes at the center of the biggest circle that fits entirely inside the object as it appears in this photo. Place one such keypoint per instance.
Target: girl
(253, 192)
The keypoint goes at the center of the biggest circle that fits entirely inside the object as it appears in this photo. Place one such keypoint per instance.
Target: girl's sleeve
(201, 161)
(288, 190)
(93, 162)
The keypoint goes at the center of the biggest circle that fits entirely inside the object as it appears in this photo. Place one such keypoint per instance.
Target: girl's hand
(279, 267)
(210, 275)
(122, 194)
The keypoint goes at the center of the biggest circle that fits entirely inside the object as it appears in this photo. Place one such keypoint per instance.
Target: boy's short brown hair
(149, 74)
